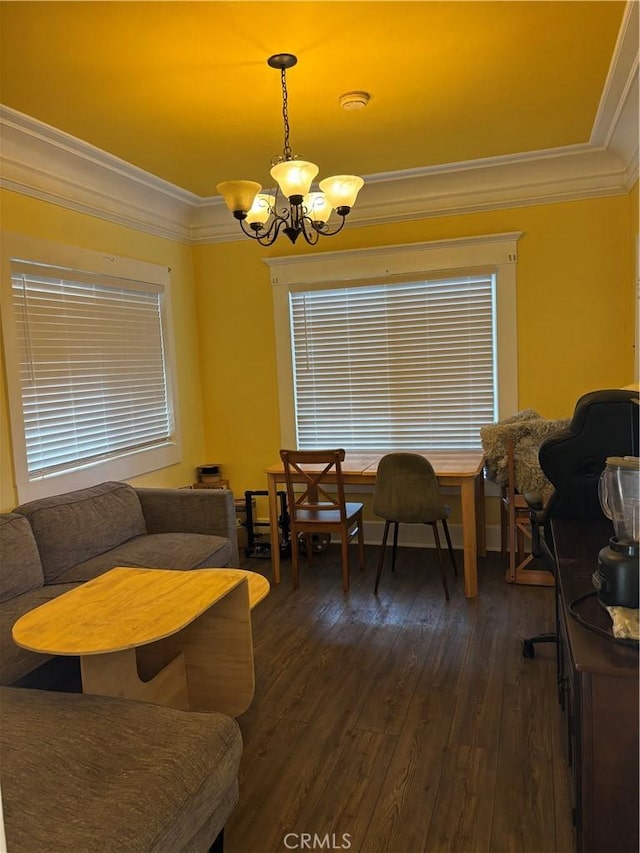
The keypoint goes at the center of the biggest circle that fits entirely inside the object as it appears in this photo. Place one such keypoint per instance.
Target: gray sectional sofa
(83, 772)
(92, 774)
(50, 545)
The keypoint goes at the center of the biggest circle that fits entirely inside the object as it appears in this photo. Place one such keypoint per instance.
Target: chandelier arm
(324, 230)
(250, 233)
(309, 230)
(272, 234)
(269, 236)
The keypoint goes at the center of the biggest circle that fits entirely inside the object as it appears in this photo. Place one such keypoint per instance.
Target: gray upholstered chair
(407, 492)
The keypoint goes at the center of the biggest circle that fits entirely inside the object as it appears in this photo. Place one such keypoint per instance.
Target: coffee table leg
(218, 655)
(206, 666)
(218, 652)
(116, 674)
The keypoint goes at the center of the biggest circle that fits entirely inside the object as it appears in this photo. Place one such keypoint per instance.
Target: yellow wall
(39, 219)
(575, 317)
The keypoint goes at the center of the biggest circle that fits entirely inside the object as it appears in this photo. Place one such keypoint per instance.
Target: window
(396, 347)
(91, 383)
(394, 366)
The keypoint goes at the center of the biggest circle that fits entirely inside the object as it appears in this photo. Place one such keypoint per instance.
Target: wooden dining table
(462, 469)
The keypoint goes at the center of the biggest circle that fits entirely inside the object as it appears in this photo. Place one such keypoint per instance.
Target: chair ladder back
(314, 495)
(314, 491)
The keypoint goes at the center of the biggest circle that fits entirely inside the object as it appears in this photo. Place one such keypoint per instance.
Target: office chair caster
(528, 649)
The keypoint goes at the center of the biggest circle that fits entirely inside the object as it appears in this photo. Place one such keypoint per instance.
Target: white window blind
(92, 366)
(395, 366)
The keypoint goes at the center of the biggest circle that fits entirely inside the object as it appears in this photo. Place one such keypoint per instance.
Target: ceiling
(182, 89)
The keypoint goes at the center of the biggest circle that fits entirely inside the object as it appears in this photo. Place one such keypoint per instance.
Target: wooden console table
(177, 638)
(599, 679)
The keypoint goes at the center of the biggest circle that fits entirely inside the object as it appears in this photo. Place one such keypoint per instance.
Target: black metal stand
(255, 546)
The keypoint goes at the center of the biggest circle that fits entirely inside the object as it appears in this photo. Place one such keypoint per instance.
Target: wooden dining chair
(319, 505)
(516, 532)
(407, 492)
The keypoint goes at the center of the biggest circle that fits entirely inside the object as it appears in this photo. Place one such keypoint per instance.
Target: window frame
(129, 463)
(492, 254)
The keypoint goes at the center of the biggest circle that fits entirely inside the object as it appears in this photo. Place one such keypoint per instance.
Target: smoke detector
(354, 100)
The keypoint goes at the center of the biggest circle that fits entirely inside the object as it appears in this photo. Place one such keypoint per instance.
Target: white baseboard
(421, 535)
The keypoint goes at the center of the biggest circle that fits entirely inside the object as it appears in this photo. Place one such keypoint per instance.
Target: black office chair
(604, 423)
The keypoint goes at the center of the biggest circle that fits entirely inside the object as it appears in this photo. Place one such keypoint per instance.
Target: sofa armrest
(209, 511)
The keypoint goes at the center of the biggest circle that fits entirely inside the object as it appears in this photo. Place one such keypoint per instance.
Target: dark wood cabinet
(599, 692)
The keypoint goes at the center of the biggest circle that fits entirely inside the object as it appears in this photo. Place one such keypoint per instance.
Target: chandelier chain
(285, 114)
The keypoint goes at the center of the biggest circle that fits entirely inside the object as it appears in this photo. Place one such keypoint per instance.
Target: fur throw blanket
(526, 430)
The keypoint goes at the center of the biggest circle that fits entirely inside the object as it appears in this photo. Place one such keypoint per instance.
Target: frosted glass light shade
(239, 195)
(317, 206)
(261, 208)
(341, 190)
(294, 177)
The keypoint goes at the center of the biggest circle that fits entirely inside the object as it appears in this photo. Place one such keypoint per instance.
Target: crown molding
(40, 161)
(564, 174)
(622, 73)
(616, 124)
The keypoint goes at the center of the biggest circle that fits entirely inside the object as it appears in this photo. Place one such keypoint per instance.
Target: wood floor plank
(562, 795)
(267, 743)
(478, 713)
(462, 812)
(353, 789)
(403, 814)
(444, 664)
(302, 780)
(523, 817)
(565, 831)
(267, 746)
(395, 682)
(411, 723)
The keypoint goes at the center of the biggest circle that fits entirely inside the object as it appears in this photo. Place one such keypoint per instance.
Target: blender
(617, 575)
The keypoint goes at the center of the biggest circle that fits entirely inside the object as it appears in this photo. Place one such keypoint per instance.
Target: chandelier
(262, 216)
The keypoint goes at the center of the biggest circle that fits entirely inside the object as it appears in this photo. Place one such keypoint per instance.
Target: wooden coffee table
(177, 638)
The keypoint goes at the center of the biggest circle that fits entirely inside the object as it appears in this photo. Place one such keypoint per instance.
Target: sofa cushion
(15, 661)
(157, 551)
(87, 773)
(100, 518)
(21, 569)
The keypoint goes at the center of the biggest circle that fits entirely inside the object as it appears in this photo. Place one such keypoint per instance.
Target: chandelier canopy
(262, 216)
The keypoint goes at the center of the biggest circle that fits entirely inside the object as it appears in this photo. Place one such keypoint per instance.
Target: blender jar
(619, 492)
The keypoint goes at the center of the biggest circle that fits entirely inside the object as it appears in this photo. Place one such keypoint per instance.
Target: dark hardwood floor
(401, 723)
